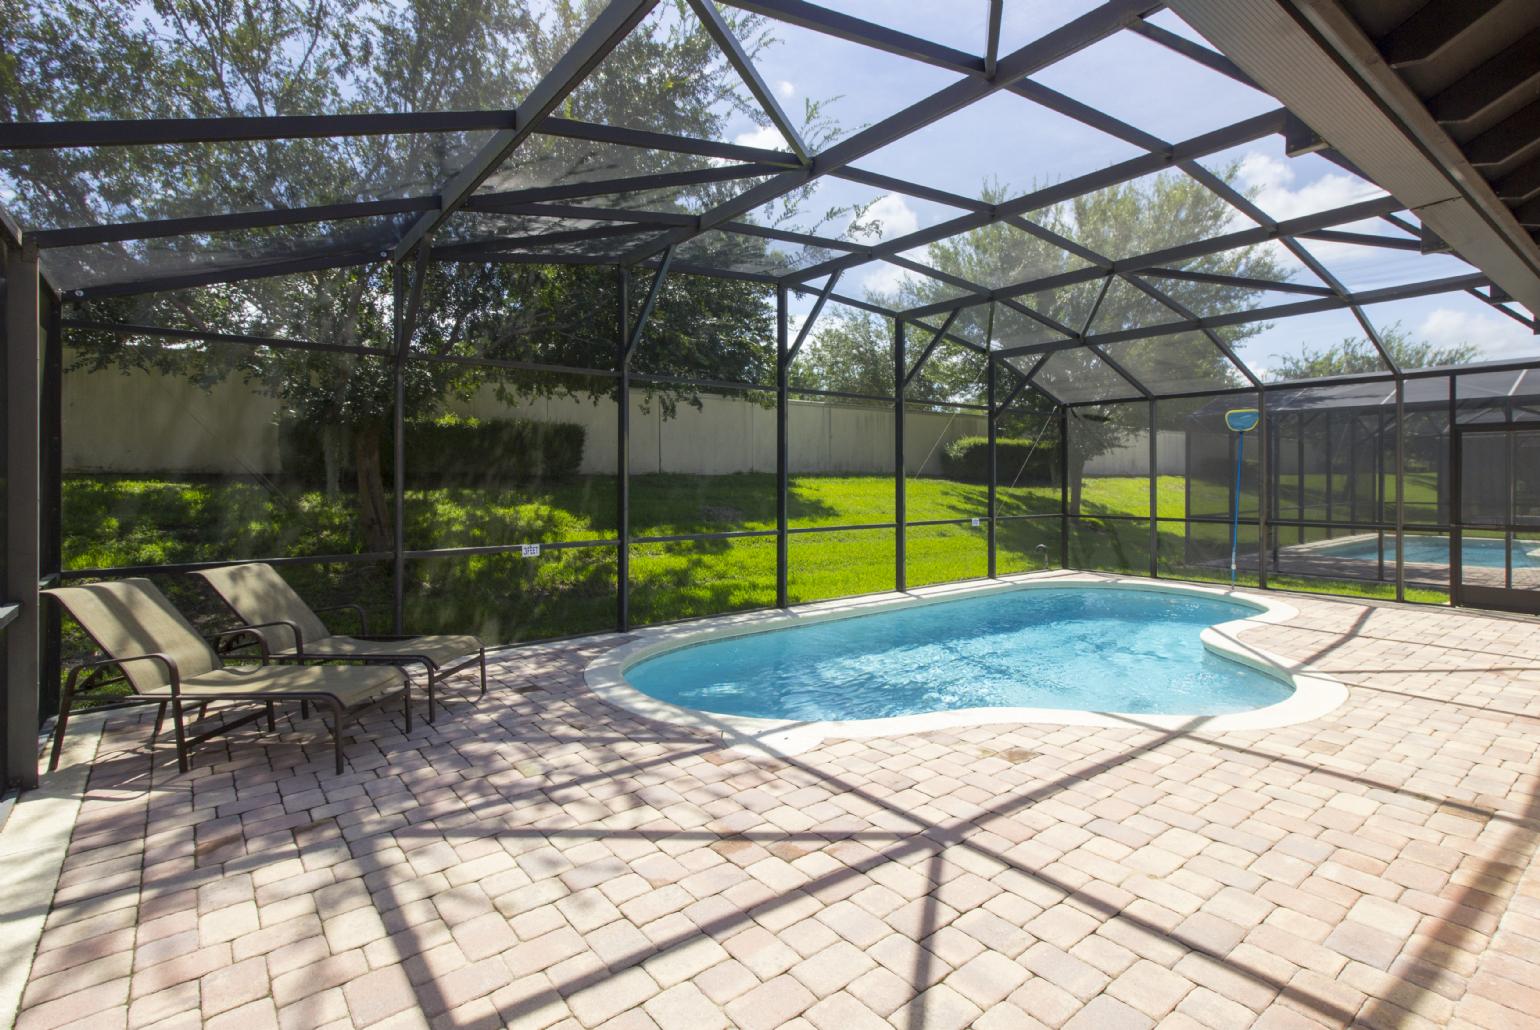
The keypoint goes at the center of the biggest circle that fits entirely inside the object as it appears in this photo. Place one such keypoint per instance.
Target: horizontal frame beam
(1186, 251)
(1245, 131)
(1057, 44)
(1452, 284)
(259, 270)
(204, 336)
(606, 32)
(230, 222)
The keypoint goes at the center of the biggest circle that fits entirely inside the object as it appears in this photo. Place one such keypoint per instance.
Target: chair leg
(406, 701)
(160, 721)
(272, 723)
(483, 674)
(304, 709)
(337, 733)
(178, 724)
(432, 682)
(64, 718)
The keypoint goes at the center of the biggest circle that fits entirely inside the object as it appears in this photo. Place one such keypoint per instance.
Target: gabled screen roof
(1113, 192)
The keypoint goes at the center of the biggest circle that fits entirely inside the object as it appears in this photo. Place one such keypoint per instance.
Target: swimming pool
(1475, 552)
(1109, 649)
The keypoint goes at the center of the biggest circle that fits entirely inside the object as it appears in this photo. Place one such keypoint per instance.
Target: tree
(1358, 354)
(1117, 222)
(203, 58)
(850, 350)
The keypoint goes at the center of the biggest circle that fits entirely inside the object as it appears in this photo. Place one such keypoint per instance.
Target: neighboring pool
(1100, 649)
(1476, 552)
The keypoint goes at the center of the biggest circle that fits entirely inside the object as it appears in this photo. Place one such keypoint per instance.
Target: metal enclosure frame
(647, 243)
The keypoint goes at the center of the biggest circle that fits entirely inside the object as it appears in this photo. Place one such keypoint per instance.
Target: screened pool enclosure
(624, 320)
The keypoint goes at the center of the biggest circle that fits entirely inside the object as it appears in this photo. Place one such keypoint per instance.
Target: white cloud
(786, 89)
(884, 278)
(1496, 335)
(1273, 180)
(765, 137)
(888, 216)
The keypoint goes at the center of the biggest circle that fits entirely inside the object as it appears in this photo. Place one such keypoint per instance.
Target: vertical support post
(1299, 472)
(1275, 490)
(23, 568)
(1509, 517)
(1331, 458)
(782, 447)
(1187, 466)
(622, 452)
(1063, 487)
(1456, 499)
(1264, 481)
(398, 445)
(991, 385)
(1379, 484)
(900, 512)
(51, 485)
(1154, 498)
(1400, 492)
(1352, 473)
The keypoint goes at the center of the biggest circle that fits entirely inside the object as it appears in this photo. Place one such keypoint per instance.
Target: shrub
(452, 452)
(967, 459)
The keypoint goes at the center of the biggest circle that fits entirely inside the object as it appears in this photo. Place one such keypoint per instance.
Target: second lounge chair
(286, 627)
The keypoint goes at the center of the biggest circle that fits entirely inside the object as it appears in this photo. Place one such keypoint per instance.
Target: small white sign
(529, 550)
(975, 523)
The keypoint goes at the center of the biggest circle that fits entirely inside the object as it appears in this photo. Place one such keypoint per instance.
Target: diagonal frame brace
(807, 324)
(930, 348)
(732, 49)
(606, 32)
(653, 292)
(1015, 391)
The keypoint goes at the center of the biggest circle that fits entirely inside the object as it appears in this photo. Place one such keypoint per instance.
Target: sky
(1009, 139)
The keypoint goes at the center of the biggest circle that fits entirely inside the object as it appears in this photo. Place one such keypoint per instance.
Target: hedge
(967, 459)
(452, 452)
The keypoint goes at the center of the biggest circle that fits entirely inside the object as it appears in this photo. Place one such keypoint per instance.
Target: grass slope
(115, 522)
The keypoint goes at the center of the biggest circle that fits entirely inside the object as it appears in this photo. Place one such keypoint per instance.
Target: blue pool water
(1477, 552)
(1105, 649)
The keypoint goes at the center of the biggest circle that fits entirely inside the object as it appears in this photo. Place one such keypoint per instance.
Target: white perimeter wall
(142, 422)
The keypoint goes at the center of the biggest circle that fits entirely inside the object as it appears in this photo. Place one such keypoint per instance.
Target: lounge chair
(164, 660)
(283, 625)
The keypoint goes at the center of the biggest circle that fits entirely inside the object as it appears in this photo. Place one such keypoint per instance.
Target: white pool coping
(1314, 695)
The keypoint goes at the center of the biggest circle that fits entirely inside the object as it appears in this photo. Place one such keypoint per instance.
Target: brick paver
(544, 859)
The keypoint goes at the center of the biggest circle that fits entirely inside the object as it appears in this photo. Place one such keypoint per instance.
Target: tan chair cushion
(350, 684)
(440, 650)
(132, 617)
(257, 594)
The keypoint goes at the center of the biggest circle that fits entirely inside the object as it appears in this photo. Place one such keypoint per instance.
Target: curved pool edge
(1313, 697)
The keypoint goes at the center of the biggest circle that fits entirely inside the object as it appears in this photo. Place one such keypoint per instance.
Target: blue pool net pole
(1240, 421)
(1235, 506)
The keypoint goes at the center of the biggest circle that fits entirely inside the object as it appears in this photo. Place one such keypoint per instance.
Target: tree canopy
(1139, 217)
(1358, 354)
(202, 58)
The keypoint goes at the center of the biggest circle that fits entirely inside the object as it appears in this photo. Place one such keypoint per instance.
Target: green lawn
(114, 522)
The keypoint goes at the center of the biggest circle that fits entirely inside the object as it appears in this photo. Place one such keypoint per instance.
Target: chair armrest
(299, 638)
(358, 609)
(173, 673)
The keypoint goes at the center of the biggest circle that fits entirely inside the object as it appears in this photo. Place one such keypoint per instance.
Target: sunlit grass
(111, 522)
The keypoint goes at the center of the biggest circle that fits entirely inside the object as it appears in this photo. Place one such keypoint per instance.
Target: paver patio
(543, 858)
